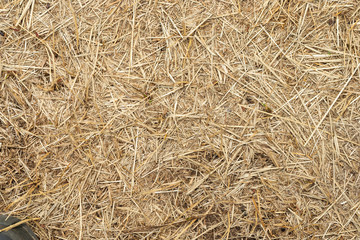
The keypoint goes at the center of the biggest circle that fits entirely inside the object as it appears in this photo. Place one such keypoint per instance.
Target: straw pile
(181, 119)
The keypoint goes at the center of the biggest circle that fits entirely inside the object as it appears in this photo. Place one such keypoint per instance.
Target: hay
(181, 119)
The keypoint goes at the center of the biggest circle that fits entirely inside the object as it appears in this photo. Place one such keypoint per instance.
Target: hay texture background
(181, 119)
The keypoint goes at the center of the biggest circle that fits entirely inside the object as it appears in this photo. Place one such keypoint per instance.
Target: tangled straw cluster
(181, 119)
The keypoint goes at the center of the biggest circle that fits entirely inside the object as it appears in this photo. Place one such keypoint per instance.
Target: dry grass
(181, 119)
